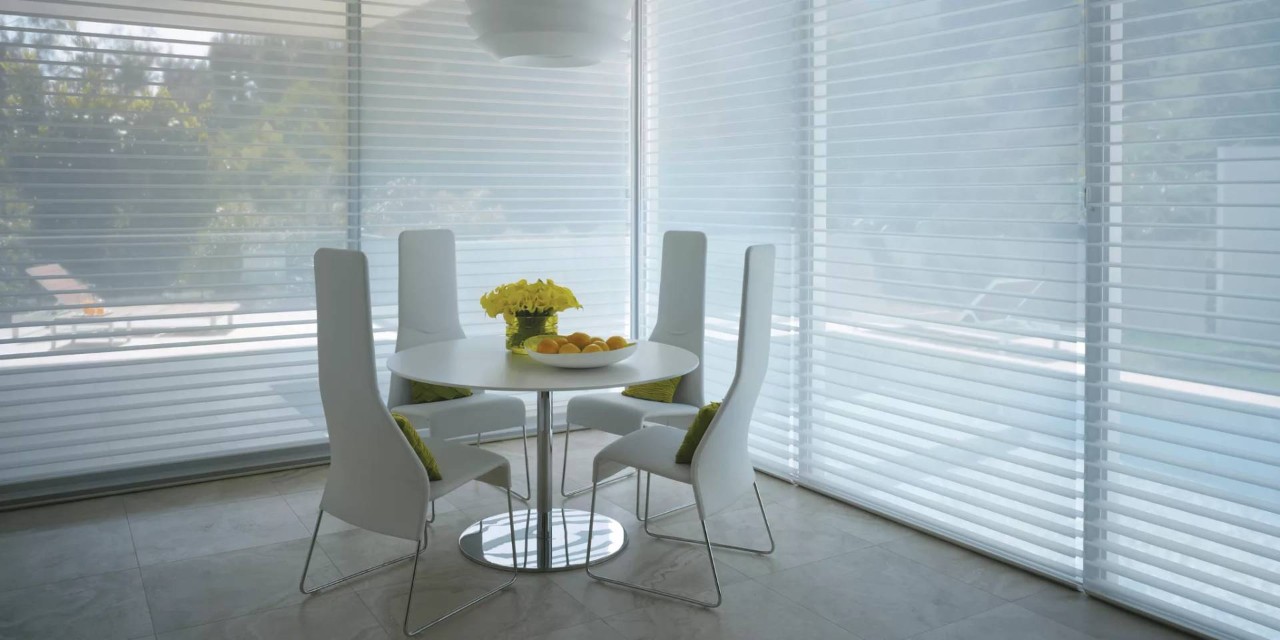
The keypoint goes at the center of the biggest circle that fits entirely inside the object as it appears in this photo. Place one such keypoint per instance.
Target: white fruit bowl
(578, 360)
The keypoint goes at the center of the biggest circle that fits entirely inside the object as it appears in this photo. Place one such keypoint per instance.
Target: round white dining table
(547, 539)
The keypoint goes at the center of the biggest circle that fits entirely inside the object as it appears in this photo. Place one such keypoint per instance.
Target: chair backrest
(428, 297)
(721, 468)
(375, 480)
(682, 304)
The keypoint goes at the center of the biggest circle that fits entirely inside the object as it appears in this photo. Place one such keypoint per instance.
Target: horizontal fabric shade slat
(968, 332)
(677, 197)
(908, 267)
(168, 172)
(790, 119)
(1183, 196)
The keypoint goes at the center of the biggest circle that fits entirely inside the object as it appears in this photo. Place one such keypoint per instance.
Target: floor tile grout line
(246, 615)
(805, 607)
(44, 585)
(218, 553)
(169, 512)
(136, 565)
(372, 613)
(142, 578)
(339, 589)
(1002, 565)
(886, 545)
(615, 630)
(1002, 602)
(944, 574)
(396, 631)
(261, 474)
(591, 616)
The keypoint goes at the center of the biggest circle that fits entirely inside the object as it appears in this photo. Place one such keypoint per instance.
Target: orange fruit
(569, 348)
(548, 345)
(594, 347)
(603, 345)
(616, 342)
(579, 339)
(561, 340)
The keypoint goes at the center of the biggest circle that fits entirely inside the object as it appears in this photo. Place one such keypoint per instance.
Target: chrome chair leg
(307, 565)
(767, 529)
(432, 518)
(528, 480)
(422, 546)
(715, 577)
(646, 517)
(564, 470)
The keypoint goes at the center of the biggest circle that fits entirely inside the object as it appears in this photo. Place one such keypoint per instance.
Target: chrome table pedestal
(547, 539)
(487, 542)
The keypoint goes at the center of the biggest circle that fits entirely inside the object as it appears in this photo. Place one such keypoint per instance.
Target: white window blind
(1083, 382)
(720, 155)
(167, 171)
(1184, 311)
(919, 167)
(945, 270)
(166, 176)
(530, 168)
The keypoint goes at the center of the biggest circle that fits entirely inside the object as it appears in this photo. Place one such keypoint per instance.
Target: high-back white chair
(375, 479)
(681, 323)
(429, 313)
(721, 470)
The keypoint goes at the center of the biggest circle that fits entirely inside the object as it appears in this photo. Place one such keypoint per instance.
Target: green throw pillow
(421, 392)
(660, 391)
(684, 455)
(419, 447)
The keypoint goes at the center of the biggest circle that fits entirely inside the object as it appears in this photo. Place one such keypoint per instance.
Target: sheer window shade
(918, 166)
(1184, 312)
(166, 175)
(945, 271)
(1080, 381)
(719, 157)
(164, 185)
(530, 168)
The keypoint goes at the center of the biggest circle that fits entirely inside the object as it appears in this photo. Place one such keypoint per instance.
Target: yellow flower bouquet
(529, 308)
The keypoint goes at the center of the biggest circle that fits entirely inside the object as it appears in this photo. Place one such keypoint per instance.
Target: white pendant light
(551, 33)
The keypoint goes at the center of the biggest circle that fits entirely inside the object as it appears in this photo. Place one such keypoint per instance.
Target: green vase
(521, 328)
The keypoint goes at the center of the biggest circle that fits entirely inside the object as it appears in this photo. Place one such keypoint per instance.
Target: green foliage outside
(144, 170)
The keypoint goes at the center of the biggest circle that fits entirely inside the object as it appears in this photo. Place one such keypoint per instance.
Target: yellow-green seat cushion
(419, 447)
(421, 392)
(684, 455)
(660, 391)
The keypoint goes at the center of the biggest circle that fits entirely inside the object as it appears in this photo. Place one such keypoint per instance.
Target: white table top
(485, 363)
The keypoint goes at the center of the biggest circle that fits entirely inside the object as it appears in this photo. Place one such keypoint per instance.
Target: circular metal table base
(488, 542)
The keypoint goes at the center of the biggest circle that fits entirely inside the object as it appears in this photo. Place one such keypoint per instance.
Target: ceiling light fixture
(551, 33)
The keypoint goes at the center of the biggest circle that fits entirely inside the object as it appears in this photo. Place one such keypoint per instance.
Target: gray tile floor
(221, 560)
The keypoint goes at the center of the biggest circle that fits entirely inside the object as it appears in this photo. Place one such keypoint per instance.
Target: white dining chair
(429, 313)
(721, 470)
(375, 479)
(681, 313)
